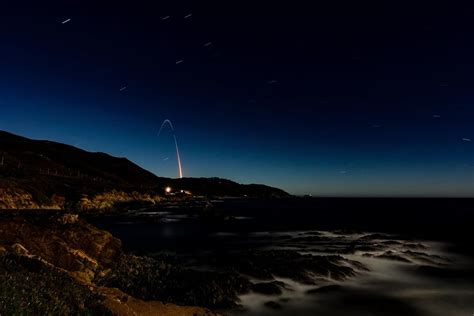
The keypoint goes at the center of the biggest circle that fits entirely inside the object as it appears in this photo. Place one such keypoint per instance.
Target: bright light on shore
(168, 189)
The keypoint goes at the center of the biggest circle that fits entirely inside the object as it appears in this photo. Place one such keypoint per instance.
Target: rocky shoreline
(56, 263)
(49, 265)
(57, 251)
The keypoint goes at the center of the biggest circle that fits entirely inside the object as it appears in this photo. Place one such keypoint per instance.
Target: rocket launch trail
(178, 157)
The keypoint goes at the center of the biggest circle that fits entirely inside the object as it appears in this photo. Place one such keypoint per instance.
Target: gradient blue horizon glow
(326, 102)
(324, 163)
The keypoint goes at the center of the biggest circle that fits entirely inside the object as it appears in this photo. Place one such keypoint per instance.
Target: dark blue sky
(328, 100)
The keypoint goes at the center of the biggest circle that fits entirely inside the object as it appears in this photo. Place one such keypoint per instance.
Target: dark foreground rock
(48, 265)
(151, 279)
(64, 253)
(325, 289)
(30, 287)
(304, 268)
(390, 255)
(269, 288)
(273, 305)
(64, 241)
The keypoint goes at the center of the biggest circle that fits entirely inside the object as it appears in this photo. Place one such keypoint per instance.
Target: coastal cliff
(37, 174)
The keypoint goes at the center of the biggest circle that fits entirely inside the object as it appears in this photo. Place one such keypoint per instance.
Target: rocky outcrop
(150, 279)
(20, 199)
(124, 305)
(269, 288)
(48, 265)
(65, 242)
(108, 200)
(14, 198)
(31, 286)
(303, 268)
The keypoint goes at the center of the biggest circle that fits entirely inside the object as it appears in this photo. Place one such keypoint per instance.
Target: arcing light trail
(175, 144)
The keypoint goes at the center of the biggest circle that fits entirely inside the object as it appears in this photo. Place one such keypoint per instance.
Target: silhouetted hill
(51, 158)
(49, 170)
(223, 187)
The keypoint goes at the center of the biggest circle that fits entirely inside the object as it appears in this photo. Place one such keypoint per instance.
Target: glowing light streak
(178, 157)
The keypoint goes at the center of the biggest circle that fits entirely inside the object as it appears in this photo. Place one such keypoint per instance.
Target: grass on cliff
(28, 287)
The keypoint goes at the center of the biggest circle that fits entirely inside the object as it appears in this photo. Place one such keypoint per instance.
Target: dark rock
(369, 247)
(268, 288)
(31, 287)
(149, 279)
(358, 265)
(273, 305)
(393, 256)
(325, 289)
(377, 236)
(391, 242)
(414, 246)
(426, 258)
(312, 239)
(347, 231)
(313, 233)
(75, 246)
(264, 264)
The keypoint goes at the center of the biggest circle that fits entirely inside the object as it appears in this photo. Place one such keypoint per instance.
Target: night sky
(341, 100)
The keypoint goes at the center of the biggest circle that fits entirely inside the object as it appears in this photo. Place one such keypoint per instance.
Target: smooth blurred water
(441, 285)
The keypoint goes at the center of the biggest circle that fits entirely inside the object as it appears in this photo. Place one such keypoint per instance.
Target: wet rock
(369, 247)
(264, 264)
(414, 246)
(313, 233)
(358, 265)
(390, 255)
(149, 279)
(269, 288)
(347, 232)
(426, 258)
(312, 239)
(391, 242)
(325, 289)
(394, 256)
(377, 236)
(273, 305)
